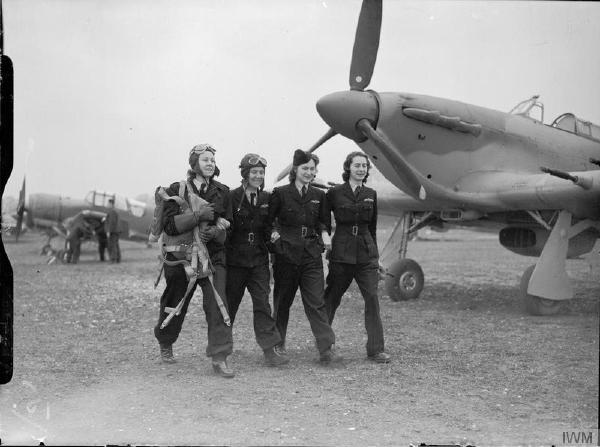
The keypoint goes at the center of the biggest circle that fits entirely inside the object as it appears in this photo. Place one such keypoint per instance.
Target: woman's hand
(208, 233)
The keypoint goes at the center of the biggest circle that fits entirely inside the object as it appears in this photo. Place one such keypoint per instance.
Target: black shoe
(274, 357)
(221, 368)
(381, 357)
(330, 356)
(166, 353)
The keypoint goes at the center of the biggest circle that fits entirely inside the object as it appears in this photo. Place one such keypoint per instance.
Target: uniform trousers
(256, 280)
(102, 245)
(309, 277)
(220, 340)
(74, 250)
(114, 251)
(366, 276)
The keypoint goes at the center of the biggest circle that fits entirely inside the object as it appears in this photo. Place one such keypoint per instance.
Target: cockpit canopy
(570, 123)
(533, 109)
(100, 199)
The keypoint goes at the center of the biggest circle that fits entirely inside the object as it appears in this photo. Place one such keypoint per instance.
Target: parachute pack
(160, 196)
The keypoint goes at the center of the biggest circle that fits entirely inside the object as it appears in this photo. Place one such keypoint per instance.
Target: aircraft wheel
(536, 305)
(61, 255)
(404, 280)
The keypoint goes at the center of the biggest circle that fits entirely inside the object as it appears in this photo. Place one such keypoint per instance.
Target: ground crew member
(102, 239)
(248, 256)
(78, 229)
(300, 215)
(74, 237)
(178, 241)
(112, 229)
(354, 252)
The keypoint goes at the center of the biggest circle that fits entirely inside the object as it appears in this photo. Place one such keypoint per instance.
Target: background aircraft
(55, 214)
(474, 166)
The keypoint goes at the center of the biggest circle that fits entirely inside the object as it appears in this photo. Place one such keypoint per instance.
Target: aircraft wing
(502, 191)
(393, 202)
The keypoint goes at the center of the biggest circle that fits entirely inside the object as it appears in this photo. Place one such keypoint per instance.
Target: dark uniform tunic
(298, 261)
(248, 263)
(354, 255)
(220, 341)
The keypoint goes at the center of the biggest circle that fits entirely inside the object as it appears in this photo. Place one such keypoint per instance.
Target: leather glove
(208, 233)
(206, 213)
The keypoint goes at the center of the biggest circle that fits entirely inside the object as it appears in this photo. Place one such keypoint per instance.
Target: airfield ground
(469, 365)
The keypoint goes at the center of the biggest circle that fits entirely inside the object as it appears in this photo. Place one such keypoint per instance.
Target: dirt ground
(469, 365)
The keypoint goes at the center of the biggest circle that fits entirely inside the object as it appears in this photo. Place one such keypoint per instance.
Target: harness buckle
(354, 230)
(304, 231)
(251, 237)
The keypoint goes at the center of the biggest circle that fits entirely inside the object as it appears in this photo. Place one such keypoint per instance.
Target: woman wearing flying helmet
(196, 213)
(248, 256)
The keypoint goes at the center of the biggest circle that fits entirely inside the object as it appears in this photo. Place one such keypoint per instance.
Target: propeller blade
(283, 173)
(393, 156)
(20, 210)
(330, 133)
(366, 44)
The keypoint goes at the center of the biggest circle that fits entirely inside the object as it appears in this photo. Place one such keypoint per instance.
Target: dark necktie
(303, 191)
(252, 197)
(202, 189)
(356, 191)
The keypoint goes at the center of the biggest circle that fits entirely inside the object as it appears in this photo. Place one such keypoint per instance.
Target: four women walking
(220, 240)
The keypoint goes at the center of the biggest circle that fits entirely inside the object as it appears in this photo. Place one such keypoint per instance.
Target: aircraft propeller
(20, 210)
(330, 133)
(354, 113)
(364, 54)
(366, 44)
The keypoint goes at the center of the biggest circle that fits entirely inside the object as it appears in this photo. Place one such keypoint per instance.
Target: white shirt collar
(299, 187)
(353, 186)
(198, 182)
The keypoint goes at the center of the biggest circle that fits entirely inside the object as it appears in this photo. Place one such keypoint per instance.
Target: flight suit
(220, 341)
(248, 263)
(298, 261)
(354, 255)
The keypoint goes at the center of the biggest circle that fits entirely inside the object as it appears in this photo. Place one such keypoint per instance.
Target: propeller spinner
(364, 54)
(355, 113)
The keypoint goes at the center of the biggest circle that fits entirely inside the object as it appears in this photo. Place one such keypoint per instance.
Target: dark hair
(294, 170)
(348, 162)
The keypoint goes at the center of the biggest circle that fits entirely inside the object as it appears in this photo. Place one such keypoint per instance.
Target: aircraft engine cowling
(527, 241)
(45, 206)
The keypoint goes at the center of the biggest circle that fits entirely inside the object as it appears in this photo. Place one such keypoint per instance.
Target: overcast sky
(111, 95)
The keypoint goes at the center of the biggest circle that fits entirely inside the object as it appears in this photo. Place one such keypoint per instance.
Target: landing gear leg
(404, 279)
(536, 305)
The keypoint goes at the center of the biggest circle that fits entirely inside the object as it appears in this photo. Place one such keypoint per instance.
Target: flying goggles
(256, 160)
(201, 148)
